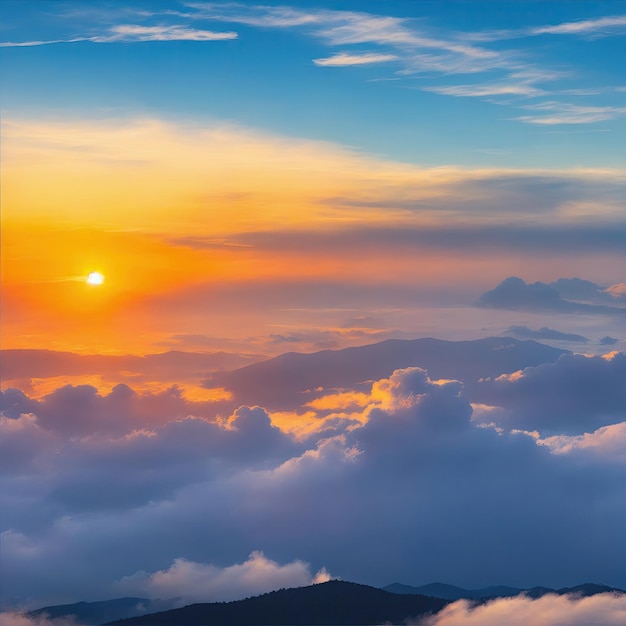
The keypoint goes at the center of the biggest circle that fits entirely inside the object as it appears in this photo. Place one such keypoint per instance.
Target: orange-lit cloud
(161, 177)
(566, 610)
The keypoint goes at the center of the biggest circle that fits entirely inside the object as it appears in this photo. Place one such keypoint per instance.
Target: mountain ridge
(324, 604)
(279, 382)
(452, 592)
(102, 611)
(132, 611)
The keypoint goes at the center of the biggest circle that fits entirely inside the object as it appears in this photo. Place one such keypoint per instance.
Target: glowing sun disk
(95, 278)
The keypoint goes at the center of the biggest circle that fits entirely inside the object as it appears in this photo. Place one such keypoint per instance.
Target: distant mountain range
(450, 592)
(325, 604)
(29, 363)
(280, 382)
(333, 603)
(106, 610)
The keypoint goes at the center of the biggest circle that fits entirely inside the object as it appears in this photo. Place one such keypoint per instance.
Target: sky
(251, 180)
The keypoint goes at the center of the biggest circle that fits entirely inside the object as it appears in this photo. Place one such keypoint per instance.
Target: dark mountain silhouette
(332, 603)
(450, 592)
(106, 610)
(336, 603)
(280, 382)
(436, 590)
(586, 589)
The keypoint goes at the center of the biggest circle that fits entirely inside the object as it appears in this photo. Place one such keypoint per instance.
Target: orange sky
(126, 198)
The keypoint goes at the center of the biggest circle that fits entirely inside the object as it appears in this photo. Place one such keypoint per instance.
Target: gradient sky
(187, 149)
(253, 179)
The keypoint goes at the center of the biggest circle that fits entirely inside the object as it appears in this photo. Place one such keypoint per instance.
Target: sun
(95, 278)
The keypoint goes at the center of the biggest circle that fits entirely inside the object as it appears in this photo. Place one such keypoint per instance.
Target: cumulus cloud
(578, 289)
(82, 410)
(515, 294)
(202, 582)
(605, 609)
(418, 439)
(405, 487)
(154, 441)
(576, 394)
(608, 442)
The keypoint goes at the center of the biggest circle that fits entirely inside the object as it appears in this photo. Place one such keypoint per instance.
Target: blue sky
(521, 84)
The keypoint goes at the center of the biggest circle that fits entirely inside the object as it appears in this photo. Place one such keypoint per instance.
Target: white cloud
(412, 45)
(565, 113)
(550, 610)
(202, 582)
(602, 26)
(607, 443)
(407, 41)
(596, 27)
(343, 59)
(39, 42)
(135, 33)
(353, 27)
(478, 90)
(132, 32)
(264, 16)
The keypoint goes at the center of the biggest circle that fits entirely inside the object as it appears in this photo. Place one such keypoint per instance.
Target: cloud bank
(200, 582)
(605, 609)
(574, 395)
(211, 491)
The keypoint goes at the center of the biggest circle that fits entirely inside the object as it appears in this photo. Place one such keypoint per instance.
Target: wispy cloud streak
(131, 32)
(417, 53)
(135, 33)
(343, 59)
(565, 113)
(599, 27)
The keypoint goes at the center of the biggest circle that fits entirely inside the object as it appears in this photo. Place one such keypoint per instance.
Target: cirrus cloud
(342, 59)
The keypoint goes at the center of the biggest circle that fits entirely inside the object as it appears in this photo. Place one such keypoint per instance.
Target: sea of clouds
(403, 479)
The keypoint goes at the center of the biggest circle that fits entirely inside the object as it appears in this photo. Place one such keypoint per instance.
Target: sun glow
(95, 278)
